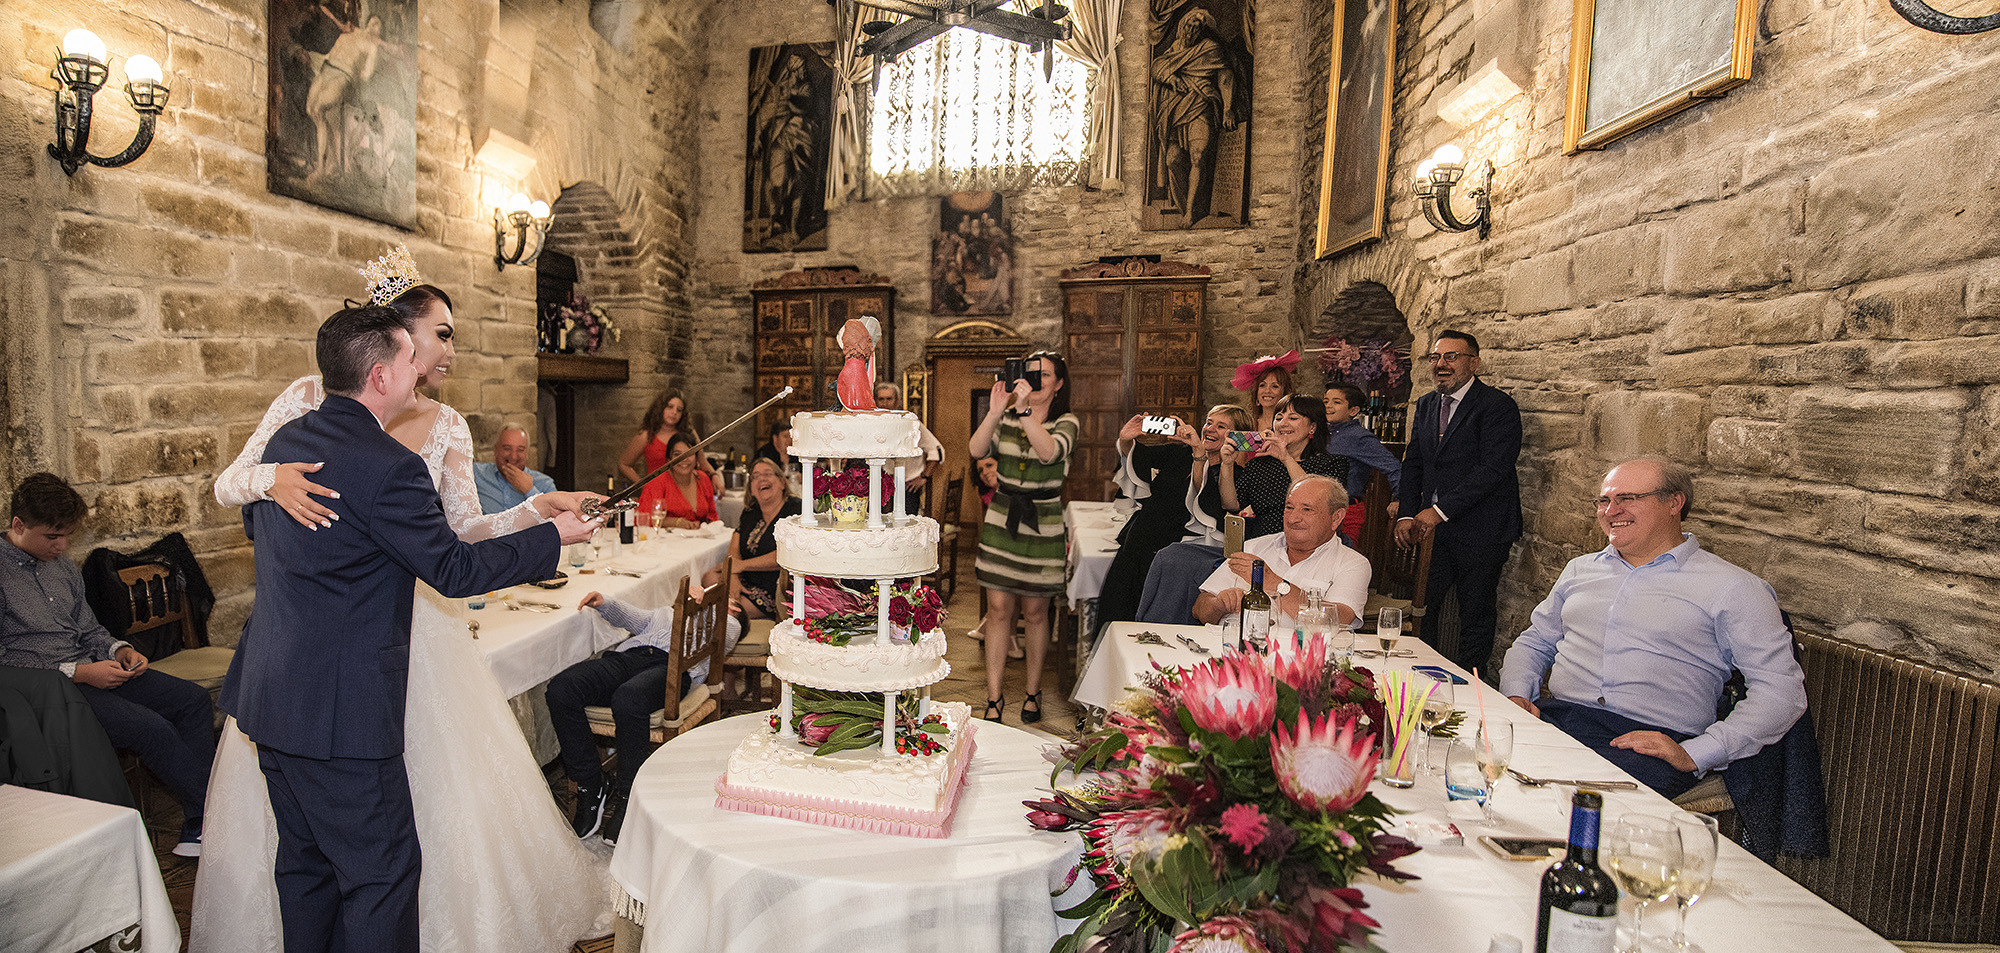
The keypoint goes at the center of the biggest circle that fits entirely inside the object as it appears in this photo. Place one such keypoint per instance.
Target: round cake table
(699, 878)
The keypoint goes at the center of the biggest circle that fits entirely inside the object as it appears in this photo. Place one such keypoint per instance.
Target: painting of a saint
(790, 119)
(340, 129)
(972, 256)
(1198, 114)
(1354, 171)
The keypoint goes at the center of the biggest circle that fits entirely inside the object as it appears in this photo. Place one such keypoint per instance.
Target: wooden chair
(945, 580)
(159, 600)
(700, 626)
(746, 685)
(1400, 580)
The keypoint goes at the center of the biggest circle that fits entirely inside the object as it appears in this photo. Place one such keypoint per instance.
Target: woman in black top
(1294, 448)
(754, 588)
(1161, 518)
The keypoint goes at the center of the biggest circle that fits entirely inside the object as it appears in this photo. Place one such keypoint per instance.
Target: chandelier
(1038, 29)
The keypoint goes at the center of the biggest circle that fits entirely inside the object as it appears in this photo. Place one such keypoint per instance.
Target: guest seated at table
(1294, 447)
(45, 624)
(1156, 477)
(753, 588)
(1174, 578)
(779, 447)
(917, 473)
(631, 680)
(1307, 554)
(683, 497)
(507, 482)
(1638, 639)
(1345, 437)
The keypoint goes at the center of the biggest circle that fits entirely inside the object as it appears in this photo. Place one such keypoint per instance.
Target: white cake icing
(856, 435)
(852, 551)
(766, 761)
(862, 665)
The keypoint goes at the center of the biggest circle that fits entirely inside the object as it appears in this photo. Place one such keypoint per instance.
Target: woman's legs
(1036, 616)
(1000, 610)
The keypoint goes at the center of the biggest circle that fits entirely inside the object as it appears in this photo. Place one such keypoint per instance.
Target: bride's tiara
(391, 275)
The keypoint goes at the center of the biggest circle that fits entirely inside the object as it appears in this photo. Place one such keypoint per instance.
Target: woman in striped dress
(1030, 431)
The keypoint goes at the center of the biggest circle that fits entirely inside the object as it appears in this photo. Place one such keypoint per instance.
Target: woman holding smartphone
(1029, 431)
(1292, 449)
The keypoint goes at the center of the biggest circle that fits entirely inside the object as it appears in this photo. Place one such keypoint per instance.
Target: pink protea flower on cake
(1232, 695)
(1220, 935)
(1301, 667)
(1325, 765)
(812, 733)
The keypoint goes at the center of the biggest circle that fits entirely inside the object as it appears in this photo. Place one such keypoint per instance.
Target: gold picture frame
(1354, 168)
(1635, 62)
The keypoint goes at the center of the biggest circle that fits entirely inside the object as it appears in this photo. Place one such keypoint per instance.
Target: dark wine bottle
(624, 515)
(1578, 912)
(1254, 621)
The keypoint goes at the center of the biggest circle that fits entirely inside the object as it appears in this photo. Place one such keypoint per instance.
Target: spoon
(472, 625)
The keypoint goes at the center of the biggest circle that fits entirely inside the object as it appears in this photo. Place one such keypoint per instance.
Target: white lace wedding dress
(501, 870)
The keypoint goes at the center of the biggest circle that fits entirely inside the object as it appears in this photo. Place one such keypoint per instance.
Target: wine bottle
(1578, 912)
(1254, 621)
(624, 515)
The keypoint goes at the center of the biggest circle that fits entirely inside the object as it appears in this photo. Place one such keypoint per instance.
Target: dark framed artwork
(1198, 114)
(972, 256)
(788, 141)
(341, 124)
(1354, 170)
(1635, 62)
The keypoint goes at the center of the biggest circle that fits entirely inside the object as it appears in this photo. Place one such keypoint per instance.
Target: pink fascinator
(1247, 374)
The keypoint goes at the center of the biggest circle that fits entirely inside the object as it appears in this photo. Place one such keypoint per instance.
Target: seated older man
(1308, 554)
(507, 481)
(1637, 641)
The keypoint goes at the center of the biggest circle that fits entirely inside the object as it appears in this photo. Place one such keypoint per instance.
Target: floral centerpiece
(835, 616)
(579, 326)
(829, 721)
(845, 493)
(1370, 365)
(1231, 810)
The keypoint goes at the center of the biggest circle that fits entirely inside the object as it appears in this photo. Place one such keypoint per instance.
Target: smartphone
(1232, 535)
(1525, 848)
(1164, 426)
(1438, 673)
(1019, 369)
(1246, 441)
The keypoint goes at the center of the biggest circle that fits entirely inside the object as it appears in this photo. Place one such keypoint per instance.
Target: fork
(1193, 646)
(1538, 782)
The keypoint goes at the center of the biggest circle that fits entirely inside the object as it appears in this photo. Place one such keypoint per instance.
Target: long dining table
(1467, 894)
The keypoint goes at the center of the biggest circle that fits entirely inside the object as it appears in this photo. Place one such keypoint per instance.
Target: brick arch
(599, 179)
(1360, 312)
(588, 227)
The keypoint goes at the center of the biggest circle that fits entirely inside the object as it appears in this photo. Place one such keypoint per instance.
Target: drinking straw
(1485, 740)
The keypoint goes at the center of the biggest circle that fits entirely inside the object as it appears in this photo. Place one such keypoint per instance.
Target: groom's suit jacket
(322, 667)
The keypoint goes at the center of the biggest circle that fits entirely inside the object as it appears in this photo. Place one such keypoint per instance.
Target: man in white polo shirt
(1307, 555)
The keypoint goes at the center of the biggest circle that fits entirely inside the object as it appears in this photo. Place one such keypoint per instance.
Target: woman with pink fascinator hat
(1267, 379)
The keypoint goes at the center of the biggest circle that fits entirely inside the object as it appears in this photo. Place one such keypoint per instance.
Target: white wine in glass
(1494, 744)
(1644, 856)
(1388, 629)
(1437, 708)
(1699, 839)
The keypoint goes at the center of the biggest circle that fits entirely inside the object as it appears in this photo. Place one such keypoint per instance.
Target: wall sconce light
(523, 217)
(82, 68)
(1435, 178)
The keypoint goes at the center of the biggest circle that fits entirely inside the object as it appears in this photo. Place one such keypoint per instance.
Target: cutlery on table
(1193, 646)
(1573, 782)
(621, 572)
(472, 626)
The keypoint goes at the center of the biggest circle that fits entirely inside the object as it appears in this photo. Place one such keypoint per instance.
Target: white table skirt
(714, 880)
(1093, 543)
(73, 872)
(729, 504)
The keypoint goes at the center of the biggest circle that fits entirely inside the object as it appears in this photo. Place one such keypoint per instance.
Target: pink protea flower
(814, 733)
(1115, 838)
(1301, 667)
(1324, 765)
(1245, 826)
(1232, 695)
(1336, 917)
(1220, 935)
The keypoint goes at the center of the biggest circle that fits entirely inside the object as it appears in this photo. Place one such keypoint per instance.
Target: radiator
(1911, 755)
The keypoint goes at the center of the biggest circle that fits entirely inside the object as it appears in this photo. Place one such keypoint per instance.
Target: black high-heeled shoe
(994, 708)
(1031, 715)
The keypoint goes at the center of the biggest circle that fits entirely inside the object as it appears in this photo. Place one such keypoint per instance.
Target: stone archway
(1364, 317)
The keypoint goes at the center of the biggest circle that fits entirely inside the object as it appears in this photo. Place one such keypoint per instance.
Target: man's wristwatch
(1284, 588)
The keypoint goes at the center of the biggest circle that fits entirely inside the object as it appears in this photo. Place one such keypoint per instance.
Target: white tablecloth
(715, 880)
(1755, 909)
(73, 872)
(730, 505)
(1093, 542)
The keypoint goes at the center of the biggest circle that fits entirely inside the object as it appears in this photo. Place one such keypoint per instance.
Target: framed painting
(787, 146)
(341, 127)
(972, 256)
(1197, 114)
(1633, 63)
(1354, 168)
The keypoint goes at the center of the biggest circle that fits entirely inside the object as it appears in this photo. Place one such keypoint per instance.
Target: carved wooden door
(797, 314)
(1133, 342)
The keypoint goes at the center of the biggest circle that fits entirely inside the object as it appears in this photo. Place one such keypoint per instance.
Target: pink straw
(1485, 740)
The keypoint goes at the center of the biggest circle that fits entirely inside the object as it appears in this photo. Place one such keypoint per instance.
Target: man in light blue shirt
(1637, 641)
(507, 482)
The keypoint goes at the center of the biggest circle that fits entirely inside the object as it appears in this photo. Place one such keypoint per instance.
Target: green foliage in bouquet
(829, 721)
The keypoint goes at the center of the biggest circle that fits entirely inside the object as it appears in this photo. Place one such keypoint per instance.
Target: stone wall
(1791, 288)
(153, 311)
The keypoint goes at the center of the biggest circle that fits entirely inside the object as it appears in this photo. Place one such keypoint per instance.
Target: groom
(318, 679)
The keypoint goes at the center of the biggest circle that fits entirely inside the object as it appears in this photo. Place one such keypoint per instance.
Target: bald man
(507, 481)
(1307, 554)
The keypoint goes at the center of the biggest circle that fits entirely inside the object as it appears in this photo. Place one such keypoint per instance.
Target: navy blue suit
(320, 675)
(1468, 474)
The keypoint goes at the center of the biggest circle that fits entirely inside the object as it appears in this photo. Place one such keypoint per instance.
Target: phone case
(1246, 441)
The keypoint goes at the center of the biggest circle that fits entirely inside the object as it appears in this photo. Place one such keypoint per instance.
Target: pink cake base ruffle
(851, 814)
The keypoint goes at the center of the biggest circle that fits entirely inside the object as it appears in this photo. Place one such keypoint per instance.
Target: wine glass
(1437, 708)
(1494, 745)
(1645, 854)
(1388, 629)
(1699, 838)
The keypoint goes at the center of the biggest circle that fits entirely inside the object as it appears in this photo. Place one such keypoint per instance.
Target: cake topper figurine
(856, 385)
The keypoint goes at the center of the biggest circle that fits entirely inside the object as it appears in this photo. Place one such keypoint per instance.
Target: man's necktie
(1444, 416)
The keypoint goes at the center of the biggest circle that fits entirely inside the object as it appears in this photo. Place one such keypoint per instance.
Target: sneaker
(614, 818)
(590, 799)
(190, 845)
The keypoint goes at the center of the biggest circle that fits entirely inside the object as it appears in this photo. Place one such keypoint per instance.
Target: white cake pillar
(898, 501)
(799, 599)
(924, 705)
(889, 724)
(882, 633)
(875, 493)
(785, 711)
(806, 491)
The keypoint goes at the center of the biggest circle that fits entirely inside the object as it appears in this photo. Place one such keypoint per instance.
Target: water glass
(1340, 643)
(476, 602)
(1463, 778)
(577, 553)
(1699, 839)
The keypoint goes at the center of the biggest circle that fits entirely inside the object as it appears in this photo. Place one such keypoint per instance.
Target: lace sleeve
(246, 480)
(461, 495)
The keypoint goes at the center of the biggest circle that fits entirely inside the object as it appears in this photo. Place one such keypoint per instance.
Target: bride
(502, 871)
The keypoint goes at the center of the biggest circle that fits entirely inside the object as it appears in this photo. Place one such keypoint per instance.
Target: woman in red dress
(684, 496)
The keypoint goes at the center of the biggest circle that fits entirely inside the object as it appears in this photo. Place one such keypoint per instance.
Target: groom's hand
(574, 528)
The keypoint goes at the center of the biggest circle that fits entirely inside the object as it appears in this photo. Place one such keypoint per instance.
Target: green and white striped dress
(1029, 562)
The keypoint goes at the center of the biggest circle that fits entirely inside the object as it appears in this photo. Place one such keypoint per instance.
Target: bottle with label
(1578, 912)
(624, 515)
(1255, 621)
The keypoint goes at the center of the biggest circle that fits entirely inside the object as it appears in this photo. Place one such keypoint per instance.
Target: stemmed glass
(1699, 838)
(1645, 856)
(1388, 629)
(1494, 744)
(1437, 708)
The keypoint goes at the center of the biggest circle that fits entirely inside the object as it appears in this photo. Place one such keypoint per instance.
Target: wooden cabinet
(1133, 336)
(797, 314)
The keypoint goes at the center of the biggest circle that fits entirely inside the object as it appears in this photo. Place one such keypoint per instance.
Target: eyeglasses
(1446, 357)
(1603, 503)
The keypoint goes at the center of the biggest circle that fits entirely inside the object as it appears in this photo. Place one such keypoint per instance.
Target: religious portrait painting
(1198, 114)
(788, 144)
(341, 123)
(972, 256)
(1354, 169)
